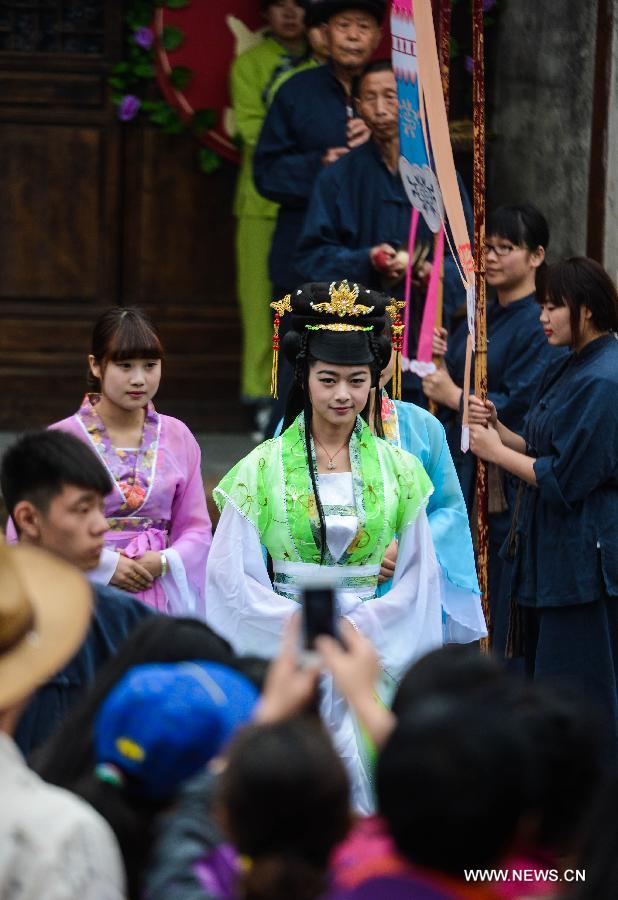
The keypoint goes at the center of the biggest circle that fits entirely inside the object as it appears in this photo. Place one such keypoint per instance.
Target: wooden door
(95, 213)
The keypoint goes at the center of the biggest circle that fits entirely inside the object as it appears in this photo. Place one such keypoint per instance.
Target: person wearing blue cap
(157, 728)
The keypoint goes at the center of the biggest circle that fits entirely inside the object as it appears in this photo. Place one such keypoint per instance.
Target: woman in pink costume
(159, 528)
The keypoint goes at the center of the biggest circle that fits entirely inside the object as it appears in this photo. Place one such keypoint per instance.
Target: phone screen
(318, 614)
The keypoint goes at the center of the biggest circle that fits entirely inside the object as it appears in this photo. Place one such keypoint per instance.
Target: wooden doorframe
(599, 134)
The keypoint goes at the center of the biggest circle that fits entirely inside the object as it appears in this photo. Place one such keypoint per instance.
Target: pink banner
(425, 341)
(435, 111)
(408, 288)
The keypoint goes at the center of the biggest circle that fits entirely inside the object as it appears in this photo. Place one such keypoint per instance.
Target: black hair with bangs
(123, 333)
(578, 283)
(522, 224)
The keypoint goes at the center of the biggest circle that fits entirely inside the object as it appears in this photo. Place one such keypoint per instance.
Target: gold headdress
(397, 327)
(322, 308)
(280, 307)
(342, 303)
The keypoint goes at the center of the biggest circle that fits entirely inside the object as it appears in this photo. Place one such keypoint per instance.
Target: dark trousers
(499, 583)
(578, 645)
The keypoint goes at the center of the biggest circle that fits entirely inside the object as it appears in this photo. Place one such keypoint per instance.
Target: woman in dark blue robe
(517, 353)
(565, 531)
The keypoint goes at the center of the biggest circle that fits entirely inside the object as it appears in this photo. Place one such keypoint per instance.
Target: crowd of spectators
(141, 756)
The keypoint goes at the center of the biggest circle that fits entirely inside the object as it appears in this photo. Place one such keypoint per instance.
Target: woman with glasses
(517, 353)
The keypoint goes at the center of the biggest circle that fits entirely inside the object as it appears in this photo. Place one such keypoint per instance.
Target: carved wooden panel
(59, 228)
(96, 213)
(52, 213)
(52, 26)
(178, 263)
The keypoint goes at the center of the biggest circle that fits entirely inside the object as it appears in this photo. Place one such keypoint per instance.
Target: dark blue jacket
(308, 115)
(517, 354)
(114, 616)
(357, 203)
(567, 527)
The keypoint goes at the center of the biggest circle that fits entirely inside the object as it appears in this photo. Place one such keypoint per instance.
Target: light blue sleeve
(424, 436)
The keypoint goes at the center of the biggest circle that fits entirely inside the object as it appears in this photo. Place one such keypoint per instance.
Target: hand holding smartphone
(319, 618)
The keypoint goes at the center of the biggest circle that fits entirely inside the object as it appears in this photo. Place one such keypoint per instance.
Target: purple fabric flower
(128, 107)
(488, 4)
(469, 64)
(144, 37)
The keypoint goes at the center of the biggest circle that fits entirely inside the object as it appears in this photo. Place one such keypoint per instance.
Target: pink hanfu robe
(158, 503)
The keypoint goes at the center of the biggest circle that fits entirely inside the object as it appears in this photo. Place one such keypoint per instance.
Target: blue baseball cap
(162, 723)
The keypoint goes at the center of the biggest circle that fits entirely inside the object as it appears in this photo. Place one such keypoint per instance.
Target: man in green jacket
(254, 76)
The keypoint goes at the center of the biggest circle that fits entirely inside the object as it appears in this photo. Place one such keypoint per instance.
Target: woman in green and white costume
(328, 493)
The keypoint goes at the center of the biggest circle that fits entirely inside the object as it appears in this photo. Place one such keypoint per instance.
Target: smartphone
(319, 615)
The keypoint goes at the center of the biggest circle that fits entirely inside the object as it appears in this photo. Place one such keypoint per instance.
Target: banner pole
(480, 357)
(444, 54)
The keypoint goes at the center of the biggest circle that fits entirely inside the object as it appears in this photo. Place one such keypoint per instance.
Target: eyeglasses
(499, 249)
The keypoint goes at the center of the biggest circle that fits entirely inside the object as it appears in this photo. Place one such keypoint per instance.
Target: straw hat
(45, 607)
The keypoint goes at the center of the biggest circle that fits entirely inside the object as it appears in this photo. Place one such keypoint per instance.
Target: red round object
(381, 260)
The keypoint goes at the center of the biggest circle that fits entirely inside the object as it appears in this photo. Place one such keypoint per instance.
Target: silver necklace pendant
(331, 464)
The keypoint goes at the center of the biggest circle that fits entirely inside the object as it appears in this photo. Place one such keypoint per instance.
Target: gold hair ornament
(397, 326)
(280, 307)
(342, 302)
(339, 326)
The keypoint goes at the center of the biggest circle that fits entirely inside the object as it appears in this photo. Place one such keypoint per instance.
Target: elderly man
(312, 122)
(359, 215)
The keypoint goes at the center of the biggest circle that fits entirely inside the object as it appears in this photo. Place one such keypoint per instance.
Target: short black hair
(454, 671)
(520, 223)
(378, 65)
(452, 784)
(121, 333)
(580, 282)
(285, 797)
(38, 466)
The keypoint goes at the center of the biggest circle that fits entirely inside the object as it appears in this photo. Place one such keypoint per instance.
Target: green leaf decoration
(180, 77)
(139, 15)
(137, 68)
(174, 126)
(138, 54)
(203, 120)
(172, 37)
(209, 161)
(144, 70)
